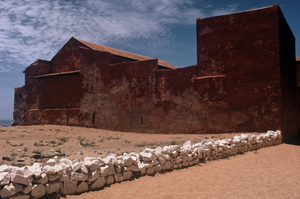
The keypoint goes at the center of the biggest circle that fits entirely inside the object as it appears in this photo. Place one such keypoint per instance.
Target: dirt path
(272, 173)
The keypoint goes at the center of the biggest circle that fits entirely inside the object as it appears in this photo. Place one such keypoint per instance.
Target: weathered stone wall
(255, 51)
(65, 177)
(245, 80)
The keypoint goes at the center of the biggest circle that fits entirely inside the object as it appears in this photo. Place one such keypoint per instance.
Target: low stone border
(74, 177)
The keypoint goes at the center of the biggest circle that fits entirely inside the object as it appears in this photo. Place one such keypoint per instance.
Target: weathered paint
(244, 80)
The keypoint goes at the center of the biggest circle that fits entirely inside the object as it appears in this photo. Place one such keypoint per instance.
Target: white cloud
(33, 29)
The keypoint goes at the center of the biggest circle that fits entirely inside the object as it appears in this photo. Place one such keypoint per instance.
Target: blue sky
(162, 29)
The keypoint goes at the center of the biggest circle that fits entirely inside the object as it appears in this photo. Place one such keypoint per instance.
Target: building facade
(244, 80)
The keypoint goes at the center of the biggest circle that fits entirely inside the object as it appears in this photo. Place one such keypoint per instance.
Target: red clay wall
(244, 81)
(249, 49)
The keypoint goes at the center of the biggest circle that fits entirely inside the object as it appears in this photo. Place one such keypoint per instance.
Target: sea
(5, 122)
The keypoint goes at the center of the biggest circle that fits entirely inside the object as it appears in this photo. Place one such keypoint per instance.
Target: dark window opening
(20, 95)
(93, 119)
(142, 120)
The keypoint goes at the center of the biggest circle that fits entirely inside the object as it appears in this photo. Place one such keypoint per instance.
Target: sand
(273, 172)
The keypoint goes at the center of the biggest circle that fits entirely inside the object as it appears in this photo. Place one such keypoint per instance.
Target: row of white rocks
(73, 177)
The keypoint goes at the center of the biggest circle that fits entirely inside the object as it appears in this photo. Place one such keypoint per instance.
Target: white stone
(52, 187)
(36, 169)
(142, 168)
(79, 176)
(17, 170)
(38, 191)
(10, 189)
(167, 150)
(65, 166)
(56, 169)
(127, 161)
(94, 165)
(148, 150)
(4, 168)
(110, 159)
(99, 183)
(76, 166)
(51, 162)
(27, 172)
(135, 160)
(186, 147)
(101, 162)
(104, 170)
(93, 175)
(84, 169)
(146, 157)
(4, 178)
(174, 148)
(19, 179)
(82, 187)
(66, 161)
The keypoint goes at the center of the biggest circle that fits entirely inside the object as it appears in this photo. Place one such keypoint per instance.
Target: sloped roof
(297, 58)
(122, 53)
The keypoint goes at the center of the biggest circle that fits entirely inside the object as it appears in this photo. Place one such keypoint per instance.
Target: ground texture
(272, 172)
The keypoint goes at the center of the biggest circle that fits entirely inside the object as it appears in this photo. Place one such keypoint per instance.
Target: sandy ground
(19, 144)
(273, 172)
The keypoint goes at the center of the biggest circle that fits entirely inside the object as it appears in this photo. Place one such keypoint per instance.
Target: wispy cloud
(33, 29)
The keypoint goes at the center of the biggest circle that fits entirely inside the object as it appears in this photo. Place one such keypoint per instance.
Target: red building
(244, 80)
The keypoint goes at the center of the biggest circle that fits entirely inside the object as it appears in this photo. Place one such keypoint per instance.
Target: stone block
(20, 179)
(52, 177)
(118, 177)
(79, 176)
(38, 191)
(110, 180)
(99, 183)
(52, 187)
(42, 179)
(93, 175)
(27, 189)
(150, 171)
(127, 175)
(4, 178)
(104, 170)
(76, 166)
(4, 168)
(82, 187)
(10, 189)
(68, 187)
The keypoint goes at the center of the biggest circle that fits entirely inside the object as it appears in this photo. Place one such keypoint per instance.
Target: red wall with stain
(244, 80)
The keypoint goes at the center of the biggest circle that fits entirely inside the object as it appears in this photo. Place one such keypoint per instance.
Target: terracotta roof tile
(122, 53)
